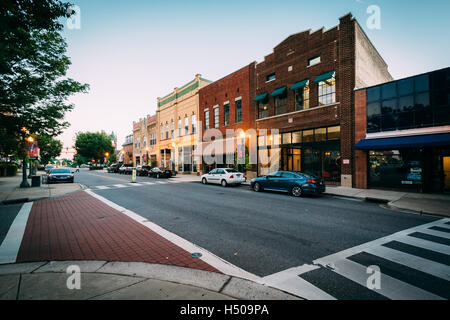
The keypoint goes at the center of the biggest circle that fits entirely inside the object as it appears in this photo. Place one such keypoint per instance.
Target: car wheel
(224, 183)
(204, 181)
(257, 187)
(296, 191)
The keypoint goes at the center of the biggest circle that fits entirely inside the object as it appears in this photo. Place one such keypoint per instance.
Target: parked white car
(223, 176)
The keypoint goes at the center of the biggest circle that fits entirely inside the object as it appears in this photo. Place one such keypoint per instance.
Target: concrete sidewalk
(103, 280)
(423, 203)
(11, 192)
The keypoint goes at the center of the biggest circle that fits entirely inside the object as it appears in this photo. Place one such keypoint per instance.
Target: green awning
(278, 92)
(260, 97)
(300, 84)
(324, 76)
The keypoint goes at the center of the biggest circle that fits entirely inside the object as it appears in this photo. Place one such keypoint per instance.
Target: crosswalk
(133, 185)
(413, 264)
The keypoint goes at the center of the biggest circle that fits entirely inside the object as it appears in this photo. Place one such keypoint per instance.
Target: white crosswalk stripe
(391, 287)
(120, 186)
(102, 187)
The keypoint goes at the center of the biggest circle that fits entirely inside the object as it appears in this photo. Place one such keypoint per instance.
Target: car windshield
(232, 170)
(60, 171)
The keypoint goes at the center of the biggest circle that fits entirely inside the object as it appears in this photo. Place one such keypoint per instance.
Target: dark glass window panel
(238, 111)
(308, 135)
(226, 114)
(334, 133)
(389, 90)
(442, 115)
(373, 94)
(374, 124)
(422, 83)
(405, 87)
(389, 106)
(406, 104)
(320, 134)
(373, 109)
(270, 77)
(388, 122)
(422, 99)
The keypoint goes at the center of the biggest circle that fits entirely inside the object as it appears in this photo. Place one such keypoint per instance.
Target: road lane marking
(121, 186)
(390, 287)
(425, 244)
(436, 233)
(431, 267)
(208, 257)
(102, 187)
(11, 244)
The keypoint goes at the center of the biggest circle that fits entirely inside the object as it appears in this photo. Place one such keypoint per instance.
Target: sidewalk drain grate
(196, 255)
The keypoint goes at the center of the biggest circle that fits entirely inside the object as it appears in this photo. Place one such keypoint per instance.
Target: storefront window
(334, 133)
(286, 138)
(308, 136)
(297, 137)
(395, 169)
(320, 134)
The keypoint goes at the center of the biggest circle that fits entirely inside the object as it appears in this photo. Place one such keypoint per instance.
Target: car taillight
(312, 181)
(231, 177)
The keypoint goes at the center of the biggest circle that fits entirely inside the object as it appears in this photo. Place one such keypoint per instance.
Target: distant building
(402, 134)
(144, 141)
(177, 122)
(126, 155)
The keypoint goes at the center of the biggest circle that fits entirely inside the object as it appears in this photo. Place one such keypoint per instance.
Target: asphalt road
(262, 233)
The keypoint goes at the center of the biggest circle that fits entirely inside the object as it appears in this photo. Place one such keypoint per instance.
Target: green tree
(49, 148)
(93, 145)
(33, 65)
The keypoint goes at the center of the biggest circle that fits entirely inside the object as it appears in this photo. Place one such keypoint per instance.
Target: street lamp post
(29, 139)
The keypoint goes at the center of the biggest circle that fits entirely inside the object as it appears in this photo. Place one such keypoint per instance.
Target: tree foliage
(93, 145)
(50, 148)
(33, 65)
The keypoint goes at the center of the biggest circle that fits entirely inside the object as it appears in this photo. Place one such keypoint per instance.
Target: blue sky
(132, 52)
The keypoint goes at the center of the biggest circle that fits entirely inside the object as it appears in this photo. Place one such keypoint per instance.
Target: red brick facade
(360, 133)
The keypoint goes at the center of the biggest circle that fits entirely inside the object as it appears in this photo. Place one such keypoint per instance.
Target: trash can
(35, 181)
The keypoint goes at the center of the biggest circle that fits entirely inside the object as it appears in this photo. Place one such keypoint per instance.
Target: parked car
(223, 176)
(49, 167)
(114, 168)
(143, 170)
(160, 173)
(296, 183)
(60, 175)
(125, 168)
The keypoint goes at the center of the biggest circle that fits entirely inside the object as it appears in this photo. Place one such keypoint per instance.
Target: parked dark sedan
(114, 168)
(160, 173)
(143, 170)
(296, 183)
(60, 175)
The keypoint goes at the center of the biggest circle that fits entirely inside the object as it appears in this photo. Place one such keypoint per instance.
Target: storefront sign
(346, 161)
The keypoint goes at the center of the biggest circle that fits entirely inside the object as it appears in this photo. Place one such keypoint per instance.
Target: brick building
(177, 125)
(226, 109)
(402, 134)
(145, 136)
(305, 89)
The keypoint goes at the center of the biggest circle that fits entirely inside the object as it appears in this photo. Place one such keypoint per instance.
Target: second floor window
(302, 98)
(327, 91)
(162, 132)
(226, 114)
(238, 111)
(280, 104)
(171, 129)
(194, 123)
(263, 109)
(167, 131)
(216, 117)
(206, 119)
(179, 128)
(186, 125)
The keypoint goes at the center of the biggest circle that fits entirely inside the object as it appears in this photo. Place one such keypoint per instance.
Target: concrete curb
(191, 282)
(27, 199)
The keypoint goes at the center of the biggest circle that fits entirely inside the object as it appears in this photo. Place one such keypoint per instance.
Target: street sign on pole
(133, 176)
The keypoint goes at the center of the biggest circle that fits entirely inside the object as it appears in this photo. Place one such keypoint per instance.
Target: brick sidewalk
(80, 227)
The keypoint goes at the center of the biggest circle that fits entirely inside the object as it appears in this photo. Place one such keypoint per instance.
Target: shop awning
(300, 84)
(324, 76)
(431, 140)
(260, 97)
(278, 92)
